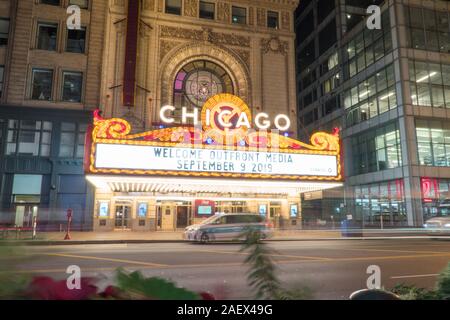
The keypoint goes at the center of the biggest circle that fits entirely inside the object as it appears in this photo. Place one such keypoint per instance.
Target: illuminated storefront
(169, 178)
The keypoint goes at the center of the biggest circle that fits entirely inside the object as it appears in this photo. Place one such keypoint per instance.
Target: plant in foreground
(261, 275)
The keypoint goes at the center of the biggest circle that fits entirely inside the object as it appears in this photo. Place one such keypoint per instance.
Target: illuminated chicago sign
(224, 146)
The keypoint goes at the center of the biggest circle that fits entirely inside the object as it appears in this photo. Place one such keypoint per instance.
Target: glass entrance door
(122, 218)
(25, 214)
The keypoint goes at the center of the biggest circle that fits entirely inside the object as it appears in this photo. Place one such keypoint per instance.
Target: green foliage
(443, 284)
(261, 275)
(139, 287)
(411, 292)
(12, 284)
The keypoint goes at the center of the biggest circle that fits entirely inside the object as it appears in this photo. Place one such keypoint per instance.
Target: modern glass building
(388, 90)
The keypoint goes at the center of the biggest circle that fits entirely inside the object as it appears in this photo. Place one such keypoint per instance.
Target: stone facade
(259, 60)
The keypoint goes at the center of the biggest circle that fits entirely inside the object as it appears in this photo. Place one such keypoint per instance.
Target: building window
(29, 138)
(433, 142)
(72, 140)
(435, 197)
(239, 15)
(42, 83)
(428, 29)
(2, 73)
(173, 6)
(197, 81)
(367, 48)
(51, 2)
(47, 36)
(4, 31)
(72, 86)
(429, 84)
(372, 97)
(76, 40)
(207, 10)
(272, 19)
(377, 150)
(81, 3)
(381, 204)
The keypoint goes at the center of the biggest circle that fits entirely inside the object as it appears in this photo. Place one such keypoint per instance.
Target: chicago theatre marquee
(198, 115)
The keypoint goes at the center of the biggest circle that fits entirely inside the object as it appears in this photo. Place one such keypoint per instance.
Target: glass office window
(381, 204)
(377, 150)
(371, 97)
(433, 142)
(429, 83)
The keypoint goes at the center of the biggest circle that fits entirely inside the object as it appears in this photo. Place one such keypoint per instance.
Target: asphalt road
(331, 269)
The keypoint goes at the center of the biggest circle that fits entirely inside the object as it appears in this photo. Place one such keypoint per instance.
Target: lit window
(207, 10)
(72, 86)
(173, 7)
(42, 82)
(239, 15)
(272, 19)
(47, 36)
(76, 40)
(4, 31)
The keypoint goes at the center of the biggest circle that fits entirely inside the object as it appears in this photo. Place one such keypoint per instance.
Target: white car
(227, 226)
(440, 225)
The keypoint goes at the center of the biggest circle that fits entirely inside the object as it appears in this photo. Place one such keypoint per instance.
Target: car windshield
(210, 219)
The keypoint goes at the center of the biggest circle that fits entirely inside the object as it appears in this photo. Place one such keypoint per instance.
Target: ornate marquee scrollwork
(120, 129)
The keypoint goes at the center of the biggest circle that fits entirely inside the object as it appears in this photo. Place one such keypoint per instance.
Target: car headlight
(447, 225)
(425, 225)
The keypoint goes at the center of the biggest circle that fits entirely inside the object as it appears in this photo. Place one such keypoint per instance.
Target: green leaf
(152, 288)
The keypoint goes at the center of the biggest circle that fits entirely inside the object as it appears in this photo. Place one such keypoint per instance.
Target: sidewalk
(57, 238)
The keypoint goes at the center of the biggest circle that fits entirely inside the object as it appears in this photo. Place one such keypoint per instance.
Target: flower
(45, 288)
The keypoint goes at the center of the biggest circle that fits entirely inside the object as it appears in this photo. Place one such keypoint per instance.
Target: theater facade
(166, 179)
(198, 115)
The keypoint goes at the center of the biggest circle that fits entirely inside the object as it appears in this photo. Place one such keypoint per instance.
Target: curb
(93, 242)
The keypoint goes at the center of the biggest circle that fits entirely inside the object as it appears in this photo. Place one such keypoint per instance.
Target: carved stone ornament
(191, 8)
(274, 45)
(165, 46)
(223, 12)
(285, 20)
(261, 17)
(244, 55)
(205, 34)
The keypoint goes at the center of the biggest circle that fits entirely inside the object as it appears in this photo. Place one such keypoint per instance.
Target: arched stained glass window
(197, 81)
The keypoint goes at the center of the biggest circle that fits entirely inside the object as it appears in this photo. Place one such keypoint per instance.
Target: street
(331, 269)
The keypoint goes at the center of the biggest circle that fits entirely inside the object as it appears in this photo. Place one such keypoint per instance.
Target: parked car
(440, 225)
(227, 226)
